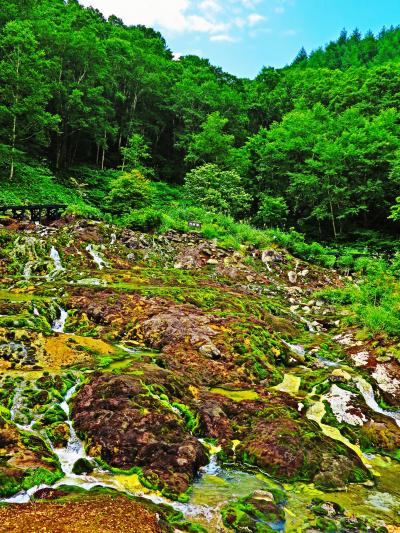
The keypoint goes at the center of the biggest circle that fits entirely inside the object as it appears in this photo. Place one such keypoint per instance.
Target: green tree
(136, 154)
(24, 91)
(272, 211)
(217, 190)
(211, 144)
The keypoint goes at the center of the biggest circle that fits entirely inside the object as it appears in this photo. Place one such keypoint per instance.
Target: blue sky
(243, 35)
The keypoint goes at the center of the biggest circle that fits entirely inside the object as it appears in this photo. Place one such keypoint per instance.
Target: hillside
(315, 144)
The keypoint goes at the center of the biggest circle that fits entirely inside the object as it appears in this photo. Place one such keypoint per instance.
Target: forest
(91, 109)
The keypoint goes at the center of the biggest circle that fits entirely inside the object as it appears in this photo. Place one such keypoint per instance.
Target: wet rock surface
(127, 426)
(186, 365)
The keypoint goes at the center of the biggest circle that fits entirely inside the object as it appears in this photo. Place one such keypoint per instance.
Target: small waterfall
(96, 257)
(113, 238)
(59, 323)
(213, 468)
(18, 403)
(369, 397)
(74, 449)
(28, 270)
(296, 348)
(55, 256)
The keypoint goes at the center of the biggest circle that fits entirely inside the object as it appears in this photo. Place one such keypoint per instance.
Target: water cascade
(368, 394)
(55, 256)
(96, 257)
(58, 325)
(74, 449)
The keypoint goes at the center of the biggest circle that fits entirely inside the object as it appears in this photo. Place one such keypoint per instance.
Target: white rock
(340, 401)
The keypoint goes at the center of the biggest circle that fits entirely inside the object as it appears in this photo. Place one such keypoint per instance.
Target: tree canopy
(315, 144)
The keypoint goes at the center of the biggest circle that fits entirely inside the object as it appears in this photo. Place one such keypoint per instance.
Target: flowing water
(58, 325)
(74, 449)
(217, 485)
(214, 486)
(369, 397)
(55, 256)
(96, 257)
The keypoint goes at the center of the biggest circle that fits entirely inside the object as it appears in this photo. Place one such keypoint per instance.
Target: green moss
(252, 514)
(236, 395)
(40, 476)
(82, 466)
(9, 485)
(192, 420)
(52, 415)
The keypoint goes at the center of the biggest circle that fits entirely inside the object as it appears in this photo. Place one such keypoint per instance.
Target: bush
(35, 184)
(147, 219)
(83, 211)
(129, 191)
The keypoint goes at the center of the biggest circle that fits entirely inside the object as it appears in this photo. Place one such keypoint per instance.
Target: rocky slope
(212, 380)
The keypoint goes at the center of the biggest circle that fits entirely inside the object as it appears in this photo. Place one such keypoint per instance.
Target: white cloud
(211, 6)
(279, 10)
(249, 3)
(169, 15)
(254, 18)
(223, 38)
(201, 24)
(217, 18)
(176, 56)
(289, 33)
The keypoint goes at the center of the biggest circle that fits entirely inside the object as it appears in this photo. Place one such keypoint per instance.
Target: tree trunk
(13, 140)
(104, 150)
(333, 219)
(14, 124)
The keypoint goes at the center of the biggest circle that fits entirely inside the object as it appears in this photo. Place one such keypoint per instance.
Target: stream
(216, 485)
(97, 259)
(58, 325)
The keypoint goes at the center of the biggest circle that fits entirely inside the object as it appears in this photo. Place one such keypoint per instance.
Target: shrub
(84, 211)
(129, 191)
(146, 219)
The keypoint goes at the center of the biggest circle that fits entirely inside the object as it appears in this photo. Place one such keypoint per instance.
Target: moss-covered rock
(258, 513)
(82, 466)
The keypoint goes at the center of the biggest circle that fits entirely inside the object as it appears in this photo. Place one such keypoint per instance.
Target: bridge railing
(34, 212)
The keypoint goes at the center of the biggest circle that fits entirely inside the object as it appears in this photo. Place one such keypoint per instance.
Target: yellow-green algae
(316, 412)
(236, 395)
(379, 503)
(290, 384)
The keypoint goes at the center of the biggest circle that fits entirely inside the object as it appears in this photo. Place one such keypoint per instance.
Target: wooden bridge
(35, 212)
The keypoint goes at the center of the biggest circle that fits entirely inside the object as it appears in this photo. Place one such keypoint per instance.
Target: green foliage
(146, 219)
(375, 299)
(272, 211)
(211, 145)
(35, 184)
(128, 191)
(135, 154)
(83, 211)
(217, 190)
(316, 144)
